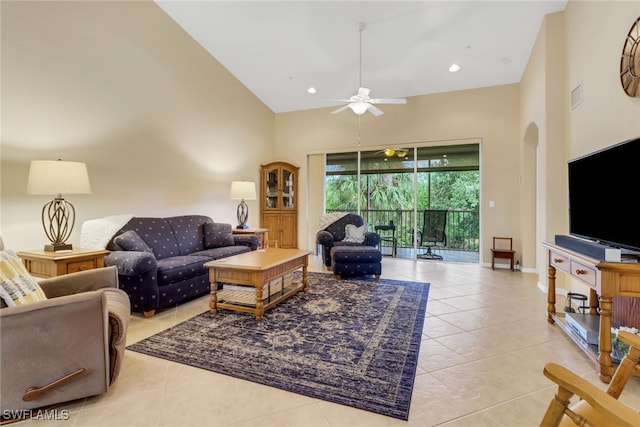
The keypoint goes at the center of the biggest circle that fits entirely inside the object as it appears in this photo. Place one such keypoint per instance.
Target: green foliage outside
(389, 196)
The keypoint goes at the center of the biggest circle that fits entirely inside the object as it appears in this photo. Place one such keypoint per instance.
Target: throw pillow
(217, 235)
(131, 241)
(354, 234)
(17, 285)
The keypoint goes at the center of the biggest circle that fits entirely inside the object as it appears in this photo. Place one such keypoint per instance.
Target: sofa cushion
(217, 235)
(17, 286)
(131, 241)
(189, 232)
(354, 234)
(157, 234)
(222, 252)
(181, 267)
(355, 254)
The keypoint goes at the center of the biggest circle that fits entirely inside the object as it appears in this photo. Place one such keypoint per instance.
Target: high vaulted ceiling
(278, 49)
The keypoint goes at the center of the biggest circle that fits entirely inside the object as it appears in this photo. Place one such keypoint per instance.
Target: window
(391, 185)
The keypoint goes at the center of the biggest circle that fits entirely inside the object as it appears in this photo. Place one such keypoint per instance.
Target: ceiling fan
(390, 152)
(360, 103)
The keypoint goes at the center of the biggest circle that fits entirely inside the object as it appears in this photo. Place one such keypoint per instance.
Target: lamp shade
(53, 177)
(243, 190)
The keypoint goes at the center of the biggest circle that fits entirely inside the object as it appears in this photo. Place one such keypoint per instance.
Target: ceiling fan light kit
(360, 103)
(390, 152)
(359, 107)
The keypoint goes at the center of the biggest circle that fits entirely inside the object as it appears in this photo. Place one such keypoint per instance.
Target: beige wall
(542, 130)
(581, 45)
(162, 126)
(489, 114)
(607, 115)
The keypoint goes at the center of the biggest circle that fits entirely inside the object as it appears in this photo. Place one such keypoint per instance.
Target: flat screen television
(604, 196)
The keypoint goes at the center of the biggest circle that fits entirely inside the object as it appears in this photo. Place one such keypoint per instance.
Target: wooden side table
(45, 264)
(261, 233)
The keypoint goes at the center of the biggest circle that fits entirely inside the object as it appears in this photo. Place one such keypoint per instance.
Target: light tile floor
(486, 340)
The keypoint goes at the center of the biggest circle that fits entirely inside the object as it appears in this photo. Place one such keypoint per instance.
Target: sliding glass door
(391, 188)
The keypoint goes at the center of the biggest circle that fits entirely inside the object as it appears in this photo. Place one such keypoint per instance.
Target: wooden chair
(500, 250)
(596, 407)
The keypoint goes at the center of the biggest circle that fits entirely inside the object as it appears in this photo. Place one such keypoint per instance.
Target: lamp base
(56, 247)
(242, 227)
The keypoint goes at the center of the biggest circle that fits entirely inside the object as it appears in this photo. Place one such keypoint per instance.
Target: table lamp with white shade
(57, 177)
(243, 190)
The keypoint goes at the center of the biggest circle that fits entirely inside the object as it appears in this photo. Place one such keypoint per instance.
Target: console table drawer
(50, 264)
(559, 261)
(74, 267)
(584, 273)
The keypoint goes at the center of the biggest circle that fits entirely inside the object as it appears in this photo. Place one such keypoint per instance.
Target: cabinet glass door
(271, 192)
(287, 189)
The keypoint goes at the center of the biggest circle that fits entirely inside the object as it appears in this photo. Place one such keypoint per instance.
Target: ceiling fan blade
(336, 99)
(375, 110)
(341, 109)
(388, 101)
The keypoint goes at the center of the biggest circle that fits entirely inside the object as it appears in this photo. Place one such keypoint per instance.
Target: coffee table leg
(213, 301)
(305, 280)
(259, 304)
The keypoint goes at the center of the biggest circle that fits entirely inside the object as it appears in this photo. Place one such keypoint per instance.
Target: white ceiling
(277, 49)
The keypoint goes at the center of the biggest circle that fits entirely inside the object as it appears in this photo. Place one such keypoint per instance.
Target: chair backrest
(337, 228)
(167, 237)
(433, 226)
(503, 243)
(596, 407)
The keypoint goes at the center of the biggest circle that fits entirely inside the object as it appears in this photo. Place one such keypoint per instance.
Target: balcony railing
(462, 230)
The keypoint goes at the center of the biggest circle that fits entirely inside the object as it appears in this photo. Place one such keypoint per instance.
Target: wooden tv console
(605, 281)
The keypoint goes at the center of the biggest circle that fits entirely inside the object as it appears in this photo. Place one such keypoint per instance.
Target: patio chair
(595, 407)
(433, 232)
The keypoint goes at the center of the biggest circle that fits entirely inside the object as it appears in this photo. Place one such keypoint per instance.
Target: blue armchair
(336, 233)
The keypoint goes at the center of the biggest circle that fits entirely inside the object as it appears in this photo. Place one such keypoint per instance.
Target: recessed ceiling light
(312, 90)
(454, 67)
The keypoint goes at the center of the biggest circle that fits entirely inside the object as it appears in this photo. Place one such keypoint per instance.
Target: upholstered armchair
(348, 230)
(67, 346)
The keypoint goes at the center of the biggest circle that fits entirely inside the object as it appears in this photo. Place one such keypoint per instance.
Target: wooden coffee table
(253, 270)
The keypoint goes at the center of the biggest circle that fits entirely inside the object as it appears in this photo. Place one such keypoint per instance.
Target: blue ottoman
(356, 261)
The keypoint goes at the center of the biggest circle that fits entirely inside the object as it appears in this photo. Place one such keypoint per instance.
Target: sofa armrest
(324, 238)
(131, 263)
(249, 240)
(371, 238)
(82, 281)
(119, 309)
(44, 341)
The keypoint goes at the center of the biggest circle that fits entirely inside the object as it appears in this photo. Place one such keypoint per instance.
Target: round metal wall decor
(630, 61)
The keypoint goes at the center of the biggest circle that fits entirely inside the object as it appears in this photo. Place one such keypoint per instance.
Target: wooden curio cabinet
(279, 203)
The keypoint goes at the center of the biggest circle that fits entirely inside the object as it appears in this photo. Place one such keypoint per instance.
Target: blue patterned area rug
(353, 342)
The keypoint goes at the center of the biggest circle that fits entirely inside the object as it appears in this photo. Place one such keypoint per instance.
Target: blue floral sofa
(161, 261)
